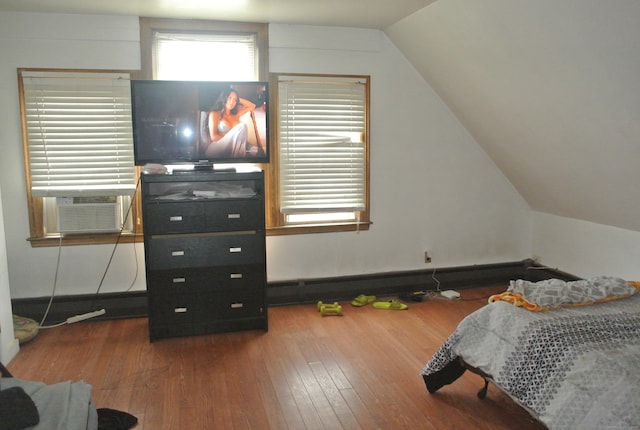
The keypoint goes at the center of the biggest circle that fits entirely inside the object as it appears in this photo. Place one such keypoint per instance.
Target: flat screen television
(200, 123)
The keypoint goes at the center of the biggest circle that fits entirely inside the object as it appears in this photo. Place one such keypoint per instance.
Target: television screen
(177, 122)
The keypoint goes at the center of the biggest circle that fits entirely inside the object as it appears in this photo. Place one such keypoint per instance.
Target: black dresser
(204, 242)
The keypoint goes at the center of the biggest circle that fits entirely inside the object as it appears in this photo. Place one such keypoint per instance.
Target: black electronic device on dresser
(204, 241)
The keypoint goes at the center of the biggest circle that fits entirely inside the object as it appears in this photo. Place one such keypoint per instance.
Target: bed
(568, 352)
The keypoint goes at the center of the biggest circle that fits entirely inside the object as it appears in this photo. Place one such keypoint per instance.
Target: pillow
(555, 292)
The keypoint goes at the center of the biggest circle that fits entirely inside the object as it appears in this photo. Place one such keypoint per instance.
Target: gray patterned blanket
(572, 368)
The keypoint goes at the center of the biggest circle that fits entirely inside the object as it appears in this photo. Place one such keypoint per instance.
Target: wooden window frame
(38, 237)
(275, 219)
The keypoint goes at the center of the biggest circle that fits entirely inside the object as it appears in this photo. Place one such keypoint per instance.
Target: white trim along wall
(9, 345)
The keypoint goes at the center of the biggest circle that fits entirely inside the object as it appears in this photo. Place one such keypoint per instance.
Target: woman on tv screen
(227, 131)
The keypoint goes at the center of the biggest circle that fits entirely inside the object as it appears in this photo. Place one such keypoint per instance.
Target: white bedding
(572, 368)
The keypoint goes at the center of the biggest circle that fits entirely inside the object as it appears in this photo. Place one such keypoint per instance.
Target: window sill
(101, 239)
(318, 228)
(85, 239)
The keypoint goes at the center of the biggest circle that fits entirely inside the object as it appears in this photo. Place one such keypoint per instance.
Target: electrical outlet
(427, 257)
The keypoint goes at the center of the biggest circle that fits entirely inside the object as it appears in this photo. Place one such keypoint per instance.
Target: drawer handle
(177, 253)
(237, 305)
(179, 280)
(235, 250)
(235, 276)
(175, 218)
(233, 216)
(180, 310)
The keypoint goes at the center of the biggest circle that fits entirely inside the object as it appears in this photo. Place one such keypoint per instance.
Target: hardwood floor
(358, 371)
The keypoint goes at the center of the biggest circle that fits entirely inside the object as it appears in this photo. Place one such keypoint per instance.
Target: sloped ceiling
(550, 89)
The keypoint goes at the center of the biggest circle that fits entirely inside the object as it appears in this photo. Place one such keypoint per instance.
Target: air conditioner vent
(88, 215)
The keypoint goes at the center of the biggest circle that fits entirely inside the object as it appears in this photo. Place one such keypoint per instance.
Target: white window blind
(205, 57)
(322, 125)
(79, 134)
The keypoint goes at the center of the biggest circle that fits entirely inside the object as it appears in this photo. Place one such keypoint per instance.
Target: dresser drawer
(234, 215)
(173, 309)
(197, 217)
(168, 218)
(231, 305)
(205, 250)
(190, 281)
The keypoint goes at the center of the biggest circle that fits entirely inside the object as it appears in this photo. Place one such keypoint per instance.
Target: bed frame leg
(483, 391)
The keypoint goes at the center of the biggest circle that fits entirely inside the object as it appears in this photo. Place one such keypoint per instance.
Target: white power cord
(55, 283)
(433, 276)
(82, 317)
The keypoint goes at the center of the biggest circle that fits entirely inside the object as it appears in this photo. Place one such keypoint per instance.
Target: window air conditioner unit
(88, 214)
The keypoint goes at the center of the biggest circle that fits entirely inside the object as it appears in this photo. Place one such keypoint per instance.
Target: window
(174, 49)
(78, 151)
(197, 56)
(322, 153)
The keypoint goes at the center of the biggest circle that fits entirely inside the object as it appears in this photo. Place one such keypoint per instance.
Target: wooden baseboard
(393, 283)
(117, 305)
(134, 304)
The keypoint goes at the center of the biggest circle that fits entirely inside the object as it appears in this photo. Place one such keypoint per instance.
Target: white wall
(433, 188)
(586, 249)
(9, 345)
(57, 41)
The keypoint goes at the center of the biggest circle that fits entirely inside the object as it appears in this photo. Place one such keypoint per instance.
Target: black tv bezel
(198, 162)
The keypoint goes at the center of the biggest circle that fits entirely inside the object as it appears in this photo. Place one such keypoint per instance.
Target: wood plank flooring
(357, 371)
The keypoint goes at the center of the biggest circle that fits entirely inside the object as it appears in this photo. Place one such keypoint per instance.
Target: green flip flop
(363, 300)
(391, 305)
